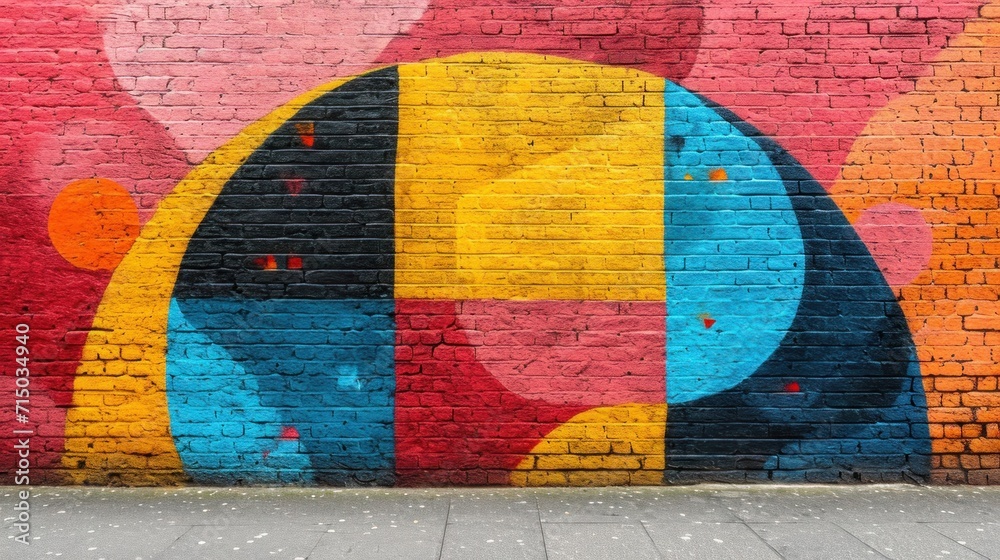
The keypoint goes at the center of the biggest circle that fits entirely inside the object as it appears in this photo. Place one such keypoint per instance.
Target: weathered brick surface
(653, 242)
(929, 150)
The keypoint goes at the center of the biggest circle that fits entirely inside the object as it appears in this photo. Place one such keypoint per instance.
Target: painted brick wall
(440, 242)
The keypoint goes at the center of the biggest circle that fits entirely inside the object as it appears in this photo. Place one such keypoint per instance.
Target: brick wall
(425, 242)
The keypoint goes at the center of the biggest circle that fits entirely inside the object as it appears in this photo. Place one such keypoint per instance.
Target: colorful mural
(361, 300)
(517, 244)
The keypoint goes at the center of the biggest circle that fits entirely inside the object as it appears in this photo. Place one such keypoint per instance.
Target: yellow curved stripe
(118, 429)
(522, 176)
(616, 445)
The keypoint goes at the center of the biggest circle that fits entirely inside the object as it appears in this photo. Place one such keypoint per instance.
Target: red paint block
(792, 387)
(288, 433)
(294, 263)
(455, 422)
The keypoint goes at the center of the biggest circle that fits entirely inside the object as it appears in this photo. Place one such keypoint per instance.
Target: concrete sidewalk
(709, 521)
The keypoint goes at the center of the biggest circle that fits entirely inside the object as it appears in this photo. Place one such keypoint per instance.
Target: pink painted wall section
(206, 69)
(592, 353)
(658, 37)
(899, 238)
(63, 117)
(811, 73)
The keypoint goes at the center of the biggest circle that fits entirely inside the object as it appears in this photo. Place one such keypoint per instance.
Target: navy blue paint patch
(309, 215)
(841, 397)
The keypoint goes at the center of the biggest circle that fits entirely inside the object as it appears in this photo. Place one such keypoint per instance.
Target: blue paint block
(752, 301)
(207, 390)
(284, 366)
(841, 395)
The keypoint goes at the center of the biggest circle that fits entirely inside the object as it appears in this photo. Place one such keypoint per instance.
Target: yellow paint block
(528, 177)
(603, 446)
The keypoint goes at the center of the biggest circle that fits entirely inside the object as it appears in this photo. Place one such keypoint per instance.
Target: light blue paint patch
(347, 377)
(324, 367)
(734, 252)
(222, 430)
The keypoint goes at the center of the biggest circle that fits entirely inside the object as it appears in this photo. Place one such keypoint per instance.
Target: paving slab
(585, 541)
(501, 540)
(909, 541)
(239, 542)
(380, 542)
(813, 541)
(498, 506)
(112, 542)
(857, 503)
(719, 541)
(983, 538)
(703, 521)
(613, 505)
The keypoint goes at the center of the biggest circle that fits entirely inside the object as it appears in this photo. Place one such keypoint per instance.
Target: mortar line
(855, 537)
(541, 527)
(179, 537)
(762, 539)
(928, 524)
(444, 531)
(656, 547)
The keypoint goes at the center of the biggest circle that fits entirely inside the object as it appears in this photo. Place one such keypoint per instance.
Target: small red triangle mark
(295, 186)
(266, 263)
(266, 453)
(289, 432)
(792, 387)
(307, 133)
(708, 322)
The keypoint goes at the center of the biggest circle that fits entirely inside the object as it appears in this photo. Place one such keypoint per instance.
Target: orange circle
(93, 223)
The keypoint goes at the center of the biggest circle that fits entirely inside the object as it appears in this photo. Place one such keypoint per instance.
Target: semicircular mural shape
(505, 268)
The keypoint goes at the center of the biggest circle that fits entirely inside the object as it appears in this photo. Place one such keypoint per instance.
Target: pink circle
(899, 239)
